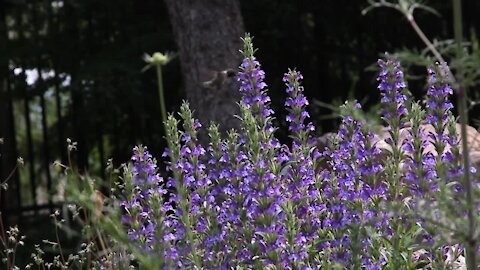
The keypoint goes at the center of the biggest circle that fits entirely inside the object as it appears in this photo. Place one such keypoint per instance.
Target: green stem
(160, 93)
(431, 47)
(425, 40)
(471, 241)
(462, 104)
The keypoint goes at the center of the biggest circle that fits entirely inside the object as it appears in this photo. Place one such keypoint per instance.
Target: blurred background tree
(207, 36)
(72, 69)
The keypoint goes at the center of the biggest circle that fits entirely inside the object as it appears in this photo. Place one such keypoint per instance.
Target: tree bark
(208, 35)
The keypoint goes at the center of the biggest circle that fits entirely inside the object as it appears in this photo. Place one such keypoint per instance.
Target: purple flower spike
(253, 87)
(438, 108)
(438, 105)
(296, 103)
(145, 203)
(392, 86)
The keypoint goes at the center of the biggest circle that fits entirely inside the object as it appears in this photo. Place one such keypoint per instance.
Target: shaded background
(72, 69)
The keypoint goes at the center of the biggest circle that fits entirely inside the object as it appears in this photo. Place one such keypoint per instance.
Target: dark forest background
(97, 95)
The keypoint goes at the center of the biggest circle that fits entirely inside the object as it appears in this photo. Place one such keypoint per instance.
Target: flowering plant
(248, 201)
(389, 200)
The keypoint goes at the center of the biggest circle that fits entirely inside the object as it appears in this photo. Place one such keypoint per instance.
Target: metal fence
(32, 110)
(72, 69)
(43, 101)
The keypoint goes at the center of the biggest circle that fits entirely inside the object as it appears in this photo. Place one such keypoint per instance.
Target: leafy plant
(247, 200)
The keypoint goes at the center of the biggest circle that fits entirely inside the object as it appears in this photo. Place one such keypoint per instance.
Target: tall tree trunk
(207, 33)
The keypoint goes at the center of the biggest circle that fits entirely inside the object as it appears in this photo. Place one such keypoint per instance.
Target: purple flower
(247, 201)
(438, 107)
(253, 88)
(353, 186)
(296, 103)
(419, 165)
(145, 205)
(392, 87)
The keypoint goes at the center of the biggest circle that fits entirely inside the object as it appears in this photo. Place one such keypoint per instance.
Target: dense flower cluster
(421, 171)
(351, 191)
(146, 212)
(248, 201)
(296, 104)
(252, 85)
(391, 86)
(439, 90)
(439, 116)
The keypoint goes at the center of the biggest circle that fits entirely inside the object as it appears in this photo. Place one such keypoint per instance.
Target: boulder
(473, 140)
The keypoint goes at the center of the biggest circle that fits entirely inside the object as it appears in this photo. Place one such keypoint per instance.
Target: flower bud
(157, 58)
